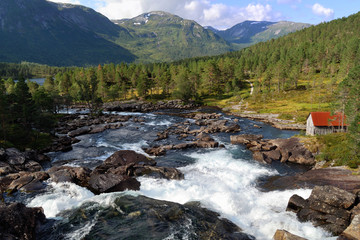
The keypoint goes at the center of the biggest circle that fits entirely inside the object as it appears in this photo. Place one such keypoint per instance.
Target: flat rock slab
(337, 177)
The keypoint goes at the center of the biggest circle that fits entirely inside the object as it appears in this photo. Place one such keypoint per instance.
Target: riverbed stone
(77, 175)
(124, 157)
(245, 138)
(23, 181)
(80, 131)
(285, 235)
(109, 182)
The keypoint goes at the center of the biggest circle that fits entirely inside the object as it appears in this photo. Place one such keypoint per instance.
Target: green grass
(333, 148)
(312, 95)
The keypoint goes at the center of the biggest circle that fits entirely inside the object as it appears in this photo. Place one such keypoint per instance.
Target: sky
(223, 14)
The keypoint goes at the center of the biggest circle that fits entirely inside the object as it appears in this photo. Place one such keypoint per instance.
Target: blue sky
(226, 13)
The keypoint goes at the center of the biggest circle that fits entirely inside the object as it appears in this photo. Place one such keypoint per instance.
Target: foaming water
(227, 185)
(62, 196)
(65, 196)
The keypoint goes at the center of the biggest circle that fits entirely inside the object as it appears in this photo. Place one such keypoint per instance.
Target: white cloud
(203, 11)
(288, 1)
(320, 10)
(258, 12)
(67, 1)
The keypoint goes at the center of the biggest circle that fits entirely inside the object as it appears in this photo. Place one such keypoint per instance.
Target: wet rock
(296, 203)
(139, 217)
(327, 207)
(99, 128)
(32, 166)
(259, 156)
(352, 232)
(6, 169)
(200, 116)
(23, 181)
(245, 138)
(109, 182)
(207, 144)
(77, 175)
(204, 137)
(333, 196)
(155, 151)
(80, 131)
(273, 155)
(292, 150)
(338, 177)
(124, 157)
(161, 172)
(285, 235)
(231, 129)
(162, 136)
(285, 150)
(19, 222)
(14, 156)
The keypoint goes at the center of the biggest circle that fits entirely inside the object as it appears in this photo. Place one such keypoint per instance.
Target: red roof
(325, 119)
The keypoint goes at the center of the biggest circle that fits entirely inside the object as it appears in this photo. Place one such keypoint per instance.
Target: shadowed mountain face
(57, 34)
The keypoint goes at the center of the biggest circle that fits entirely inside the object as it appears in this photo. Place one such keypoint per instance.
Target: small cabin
(321, 123)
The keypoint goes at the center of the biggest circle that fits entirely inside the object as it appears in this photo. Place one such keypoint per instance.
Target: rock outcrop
(334, 176)
(328, 207)
(140, 106)
(284, 150)
(13, 161)
(19, 222)
(140, 217)
(352, 232)
(116, 173)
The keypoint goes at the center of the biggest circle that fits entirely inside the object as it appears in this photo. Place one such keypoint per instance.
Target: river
(225, 180)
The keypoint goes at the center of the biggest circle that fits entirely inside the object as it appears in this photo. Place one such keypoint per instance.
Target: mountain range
(251, 32)
(64, 35)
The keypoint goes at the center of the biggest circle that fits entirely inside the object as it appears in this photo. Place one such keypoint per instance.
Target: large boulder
(328, 207)
(292, 150)
(160, 172)
(19, 222)
(140, 217)
(109, 182)
(125, 157)
(77, 175)
(245, 138)
(14, 156)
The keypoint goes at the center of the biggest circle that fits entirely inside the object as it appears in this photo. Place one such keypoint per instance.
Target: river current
(225, 180)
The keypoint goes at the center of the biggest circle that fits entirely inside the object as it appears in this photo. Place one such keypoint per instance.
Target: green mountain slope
(57, 34)
(160, 36)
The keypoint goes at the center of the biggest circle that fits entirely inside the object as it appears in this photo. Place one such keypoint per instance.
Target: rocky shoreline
(273, 120)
